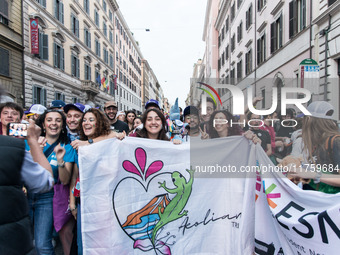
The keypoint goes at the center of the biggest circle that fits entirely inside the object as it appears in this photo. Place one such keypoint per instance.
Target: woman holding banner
(321, 139)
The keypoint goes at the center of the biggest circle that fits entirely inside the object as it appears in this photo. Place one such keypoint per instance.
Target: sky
(174, 43)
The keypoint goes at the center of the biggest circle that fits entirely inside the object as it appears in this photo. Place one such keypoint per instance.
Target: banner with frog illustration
(141, 196)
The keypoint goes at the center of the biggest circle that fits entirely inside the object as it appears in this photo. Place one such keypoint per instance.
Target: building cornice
(335, 8)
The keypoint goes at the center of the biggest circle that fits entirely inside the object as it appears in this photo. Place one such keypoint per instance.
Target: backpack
(329, 146)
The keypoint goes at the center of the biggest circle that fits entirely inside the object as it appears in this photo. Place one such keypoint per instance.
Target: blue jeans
(41, 214)
(79, 238)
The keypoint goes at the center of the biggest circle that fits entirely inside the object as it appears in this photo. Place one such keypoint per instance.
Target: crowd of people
(55, 134)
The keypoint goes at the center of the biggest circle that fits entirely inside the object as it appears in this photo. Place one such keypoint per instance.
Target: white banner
(141, 196)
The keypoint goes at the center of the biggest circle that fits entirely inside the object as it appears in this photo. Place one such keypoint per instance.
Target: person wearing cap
(57, 104)
(35, 111)
(321, 139)
(121, 116)
(110, 109)
(152, 103)
(9, 113)
(19, 166)
(74, 113)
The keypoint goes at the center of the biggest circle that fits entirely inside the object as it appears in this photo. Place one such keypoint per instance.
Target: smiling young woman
(61, 157)
(154, 124)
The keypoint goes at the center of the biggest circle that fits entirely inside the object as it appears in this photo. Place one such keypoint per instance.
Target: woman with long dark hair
(154, 124)
(321, 140)
(130, 116)
(61, 156)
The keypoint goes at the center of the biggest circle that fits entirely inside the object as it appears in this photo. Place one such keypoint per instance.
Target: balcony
(91, 89)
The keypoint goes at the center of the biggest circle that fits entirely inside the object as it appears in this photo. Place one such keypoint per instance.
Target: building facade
(11, 51)
(262, 44)
(86, 54)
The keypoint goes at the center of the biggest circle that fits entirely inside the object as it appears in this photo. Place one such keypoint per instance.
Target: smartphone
(17, 129)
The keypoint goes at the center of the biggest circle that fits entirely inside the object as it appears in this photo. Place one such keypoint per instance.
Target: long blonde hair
(315, 132)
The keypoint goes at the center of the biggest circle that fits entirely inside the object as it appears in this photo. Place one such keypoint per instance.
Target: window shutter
(35, 95)
(44, 97)
(77, 28)
(43, 2)
(41, 54)
(73, 70)
(273, 37)
(85, 69)
(303, 14)
(62, 63)
(72, 24)
(89, 74)
(45, 47)
(280, 31)
(63, 97)
(56, 11)
(264, 47)
(247, 19)
(61, 12)
(89, 38)
(55, 51)
(78, 68)
(258, 51)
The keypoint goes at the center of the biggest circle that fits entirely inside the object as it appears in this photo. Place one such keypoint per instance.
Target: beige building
(11, 50)
(263, 43)
(87, 54)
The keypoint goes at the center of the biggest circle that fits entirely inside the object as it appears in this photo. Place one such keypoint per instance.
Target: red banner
(34, 36)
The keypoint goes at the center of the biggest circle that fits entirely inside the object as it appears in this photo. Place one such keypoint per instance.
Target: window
(74, 25)
(75, 100)
(249, 17)
(87, 71)
(97, 47)
(75, 66)
(232, 77)
(58, 56)
(4, 63)
(111, 60)
(98, 80)
(261, 49)
(39, 95)
(112, 88)
(239, 71)
(222, 34)
(232, 13)
(330, 2)
(59, 96)
(111, 37)
(297, 16)
(260, 4)
(227, 52)
(222, 59)
(110, 16)
(87, 36)
(239, 2)
(4, 18)
(43, 46)
(42, 3)
(104, 5)
(249, 61)
(276, 35)
(233, 43)
(239, 32)
(106, 55)
(87, 6)
(226, 25)
(96, 17)
(104, 29)
(59, 11)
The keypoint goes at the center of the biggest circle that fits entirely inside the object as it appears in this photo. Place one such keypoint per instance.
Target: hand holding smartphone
(17, 129)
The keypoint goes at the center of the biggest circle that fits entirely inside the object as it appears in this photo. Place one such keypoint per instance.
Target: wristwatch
(90, 141)
(317, 177)
(62, 164)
